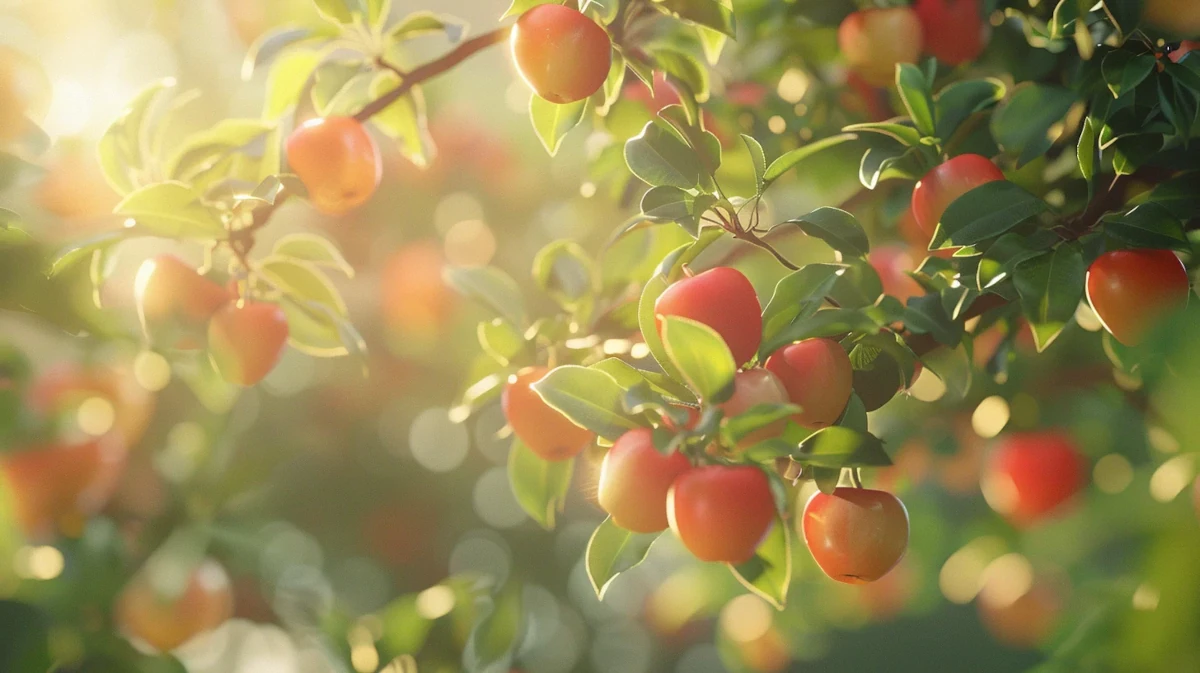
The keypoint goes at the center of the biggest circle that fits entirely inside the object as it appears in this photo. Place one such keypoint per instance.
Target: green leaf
(271, 44)
(611, 551)
(658, 157)
(171, 210)
(421, 23)
(927, 315)
(378, 12)
(714, 14)
(540, 486)
(123, 148)
(290, 75)
(589, 398)
(684, 69)
(667, 204)
(836, 227)
(902, 133)
(918, 100)
(1007, 252)
(986, 212)
(757, 159)
(958, 101)
(838, 447)
(1022, 124)
(1124, 70)
(500, 340)
(769, 573)
(497, 633)
(955, 369)
(756, 418)
(82, 249)
(1087, 151)
(1150, 225)
(565, 271)
(314, 249)
(1050, 286)
(701, 356)
(857, 286)
(1180, 194)
(491, 286)
(712, 42)
(797, 296)
(200, 153)
(824, 323)
(404, 120)
(552, 121)
(793, 158)
(315, 309)
(340, 11)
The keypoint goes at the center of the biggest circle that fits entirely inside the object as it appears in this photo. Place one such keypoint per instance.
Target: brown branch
(432, 69)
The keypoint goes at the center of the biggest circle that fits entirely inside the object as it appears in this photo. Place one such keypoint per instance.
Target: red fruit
(950, 180)
(954, 30)
(540, 426)
(245, 340)
(1032, 474)
(634, 480)
(856, 535)
(751, 388)
(416, 302)
(874, 41)
(61, 392)
(1131, 291)
(175, 303)
(56, 486)
(818, 378)
(721, 513)
(338, 162)
(891, 262)
(149, 609)
(1183, 49)
(723, 299)
(563, 55)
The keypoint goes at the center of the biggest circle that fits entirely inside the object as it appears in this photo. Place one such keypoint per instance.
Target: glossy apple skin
(538, 425)
(175, 303)
(751, 388)
(953, 29)
(246, 340)
(944, 184)
(874, 41)
(166, 622)
(721, 298)
(721, 513)
(338, 162)
(563, 55)
(56, 486)
(1131, 291)
(856, 535)
(1032, 475)
(818, 378)
(635, 479)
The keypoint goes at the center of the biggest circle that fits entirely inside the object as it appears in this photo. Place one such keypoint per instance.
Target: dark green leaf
(565, 271)
(758, 159)
(497, 633)
(836, 227)
(667, 204)
(958, 101)
(715, 14)
(1124, 70)
(838, 447)
(927, 315)
(1050, 286)
(798, 295)
(1150, 225)
(793, 158)
(658, 157)
(769, 573)
(986, 212)
(914, 91)
(1021, 125)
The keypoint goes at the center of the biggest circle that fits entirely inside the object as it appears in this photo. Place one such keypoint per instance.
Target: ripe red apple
(1131, 291)
(954, 30)
(818, 378)
(634, 480)
(721, 513)
(56, 486)
(175, 303)
(856, 535)
(246, 339)
(338, 162)
(563, 55)
(540, 426)
(874, 41)
(892, 262)
(723, 299)
(943, 185)
(1030, 475)
(751, 388)
(166, 619)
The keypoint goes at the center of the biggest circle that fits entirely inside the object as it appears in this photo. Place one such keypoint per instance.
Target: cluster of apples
(875, 40)
(181, 309)
(1131, 291)
(722, 509)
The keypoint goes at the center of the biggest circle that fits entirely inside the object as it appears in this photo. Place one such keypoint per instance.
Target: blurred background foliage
(362, 529)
